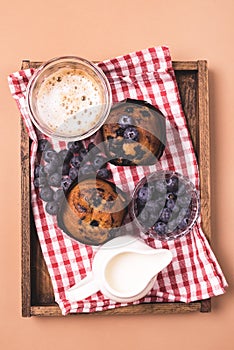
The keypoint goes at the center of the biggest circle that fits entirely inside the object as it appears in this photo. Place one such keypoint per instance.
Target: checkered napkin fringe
(194, 273)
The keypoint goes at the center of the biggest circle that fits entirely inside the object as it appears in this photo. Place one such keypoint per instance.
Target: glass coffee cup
(68, 98)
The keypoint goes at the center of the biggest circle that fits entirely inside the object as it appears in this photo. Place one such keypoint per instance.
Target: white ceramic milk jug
(124, 270)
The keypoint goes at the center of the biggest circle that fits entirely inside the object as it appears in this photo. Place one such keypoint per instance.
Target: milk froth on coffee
(70, 101)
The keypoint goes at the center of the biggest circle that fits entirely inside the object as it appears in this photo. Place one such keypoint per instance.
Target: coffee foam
(70, 102)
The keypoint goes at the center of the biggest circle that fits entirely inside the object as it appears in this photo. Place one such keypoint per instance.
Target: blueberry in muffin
(134, 133)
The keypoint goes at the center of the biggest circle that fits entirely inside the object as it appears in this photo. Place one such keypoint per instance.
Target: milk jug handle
(86, 287)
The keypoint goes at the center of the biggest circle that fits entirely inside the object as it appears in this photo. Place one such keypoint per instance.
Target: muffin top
(93, 211)
(134, 133)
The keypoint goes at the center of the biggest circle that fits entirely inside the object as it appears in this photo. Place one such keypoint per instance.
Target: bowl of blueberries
(165, 205)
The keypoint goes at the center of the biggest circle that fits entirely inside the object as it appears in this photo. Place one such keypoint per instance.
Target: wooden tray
(37, 292)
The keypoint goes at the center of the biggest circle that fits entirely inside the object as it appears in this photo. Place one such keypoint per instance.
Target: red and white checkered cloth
(194, 273)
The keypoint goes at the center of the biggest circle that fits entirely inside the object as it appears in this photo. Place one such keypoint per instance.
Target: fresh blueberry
(183, 223)
(165, 215)
(139, 206)
(86, 169)
(184, 200)
(73, 173)
(90, 156)
(160, 228)
(68, 157)
(184, 218)
(46, 194)
(160, 201)
(152, 206)
(58, 195)
(55, 180)
(83, 153)
(52, 208)
(39, 171)
(172, 225)
(172, 183)
(65, 156)
(104, 173)
(188, 212)
(182, 214)
(125, 121)
(144, 194)
(40, 181)
(49, 154)
(99, 161)
(51, 167)
(181, 188)
(131, 133)
(143, 217)
(170, 204)
(153, 218)
(160, 186)
(36, 182)
(65, 169)
(52, 156)
(59, 169)
(92, 151)
(66, 183)
(43, 145)
(176, 209)
(151, 186)
(75, 161)
(154, 210)
(74, 146)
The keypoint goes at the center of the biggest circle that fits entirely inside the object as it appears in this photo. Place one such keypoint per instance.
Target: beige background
(201, 29)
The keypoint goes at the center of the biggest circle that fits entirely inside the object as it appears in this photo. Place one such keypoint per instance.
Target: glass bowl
(165, 205)
(68, 98)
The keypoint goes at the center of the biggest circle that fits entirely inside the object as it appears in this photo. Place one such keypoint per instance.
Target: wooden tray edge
(204, 305)
(204, 143)
(141, 309)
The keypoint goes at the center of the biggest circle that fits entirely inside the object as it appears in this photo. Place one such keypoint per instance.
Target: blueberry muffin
(134, 133)
(93, 211)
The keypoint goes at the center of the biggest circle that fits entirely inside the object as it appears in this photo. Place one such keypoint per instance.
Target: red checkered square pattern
(194, 273)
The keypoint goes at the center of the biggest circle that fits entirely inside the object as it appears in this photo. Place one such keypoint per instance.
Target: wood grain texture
(37, 291)
(185, 65)
(142, 309)
(177, 65)
(41, 287)
(204, 147)
(187, 83)
(25, 219)
(25, 223)
(204, 157)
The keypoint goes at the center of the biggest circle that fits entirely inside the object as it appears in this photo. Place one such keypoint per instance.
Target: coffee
(70, 101)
